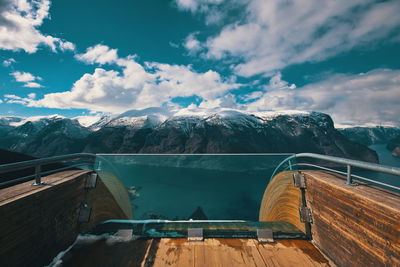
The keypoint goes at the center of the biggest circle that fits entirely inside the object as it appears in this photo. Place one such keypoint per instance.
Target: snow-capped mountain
(157, 130)
(44, 136)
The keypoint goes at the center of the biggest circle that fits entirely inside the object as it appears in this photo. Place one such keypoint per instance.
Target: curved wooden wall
(281, 201)
(353, 225)
(37, 222)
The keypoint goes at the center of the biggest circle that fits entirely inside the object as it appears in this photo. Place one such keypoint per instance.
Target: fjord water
(181, 187)
(385, 158)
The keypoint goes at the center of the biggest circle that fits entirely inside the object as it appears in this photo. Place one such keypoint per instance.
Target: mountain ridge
(187, 131)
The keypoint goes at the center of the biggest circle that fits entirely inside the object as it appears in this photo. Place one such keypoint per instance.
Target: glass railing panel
(198, 187)
(211, 229)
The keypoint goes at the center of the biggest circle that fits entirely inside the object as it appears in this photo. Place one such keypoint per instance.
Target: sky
(94, 57)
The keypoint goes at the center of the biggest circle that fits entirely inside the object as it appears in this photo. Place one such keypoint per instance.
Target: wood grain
(237, 252)
(210, 252)
(37, 222)
(281, 201)
(354, 226)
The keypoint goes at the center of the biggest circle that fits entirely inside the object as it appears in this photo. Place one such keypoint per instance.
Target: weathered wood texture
(37, 222)
(281, 201)
(210, 252)
(353, 225)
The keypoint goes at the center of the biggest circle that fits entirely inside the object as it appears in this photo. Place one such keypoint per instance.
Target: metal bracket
(84, 213)
(40, 183)
(125, 234)
(265, 236)
(299, 180)
(305, 215)
(91, 180)
(195, 234)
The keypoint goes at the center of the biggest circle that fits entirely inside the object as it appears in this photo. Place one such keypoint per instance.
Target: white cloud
(14, 99)
(8, 62)
(174, 45)
(277, 33)
(212, 9)
(32, 85)
(19, 23)
(32, 95)
(192, 44)
(136, 86)
(371, 97)
(27, 78)
(23, 76)
(276, 82)
(196, 5)
(101, 54)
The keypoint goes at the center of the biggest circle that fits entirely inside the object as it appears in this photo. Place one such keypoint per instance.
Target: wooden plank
(230, 251)
(179, 252)
(291, 253)
(354, 225)
(237, 252)
(15, 192)
(173, 252)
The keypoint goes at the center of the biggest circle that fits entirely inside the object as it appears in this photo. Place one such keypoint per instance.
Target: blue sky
(91, 57)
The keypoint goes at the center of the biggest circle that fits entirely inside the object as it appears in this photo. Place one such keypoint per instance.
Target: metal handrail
(349, 163)
(38, 163)
(30, 177)
(344, 173)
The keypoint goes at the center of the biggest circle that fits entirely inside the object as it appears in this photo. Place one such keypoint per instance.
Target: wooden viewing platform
(351, 226)
(207, 253)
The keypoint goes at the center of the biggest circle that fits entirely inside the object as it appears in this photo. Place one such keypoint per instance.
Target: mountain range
(186, 131)
(371, 135)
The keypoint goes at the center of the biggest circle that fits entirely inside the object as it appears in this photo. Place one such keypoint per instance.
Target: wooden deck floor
(210, 252)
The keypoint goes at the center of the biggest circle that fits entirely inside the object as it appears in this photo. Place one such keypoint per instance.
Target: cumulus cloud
(14, 99)
(23, 76)
(192, 44)
(196, 5)
(133, 85)
(8, 62)
(371, 97)
(32, 85)
(212, 9)
(277, 33)
(27, 78)
(19, 23)
(100, 54)
(32, 95)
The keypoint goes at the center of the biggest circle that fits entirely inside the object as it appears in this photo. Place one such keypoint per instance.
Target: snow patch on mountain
(87, 121)
(148, 121)
(36, 119)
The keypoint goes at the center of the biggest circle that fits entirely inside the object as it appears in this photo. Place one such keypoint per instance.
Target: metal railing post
(290, 165)
(38, 175)
(349, 180)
